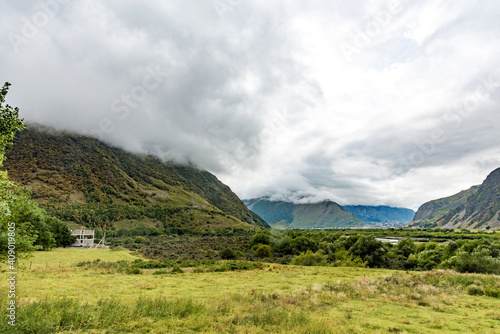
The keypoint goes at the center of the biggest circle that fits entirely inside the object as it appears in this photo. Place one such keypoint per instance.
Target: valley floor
(55, 296)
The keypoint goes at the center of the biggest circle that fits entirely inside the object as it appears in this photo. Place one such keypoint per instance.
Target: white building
(84, 238)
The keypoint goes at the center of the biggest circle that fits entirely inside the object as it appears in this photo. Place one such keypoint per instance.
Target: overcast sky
(361, 102)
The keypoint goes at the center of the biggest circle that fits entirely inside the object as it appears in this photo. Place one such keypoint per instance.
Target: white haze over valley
(367, 102)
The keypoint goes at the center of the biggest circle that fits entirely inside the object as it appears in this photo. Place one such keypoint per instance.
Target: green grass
(55, 296)
(67, 257)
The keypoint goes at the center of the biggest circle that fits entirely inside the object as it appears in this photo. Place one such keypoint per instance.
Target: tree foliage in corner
(10, 123)
(31, 227)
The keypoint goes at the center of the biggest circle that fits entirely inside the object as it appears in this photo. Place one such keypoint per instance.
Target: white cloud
(263, 95)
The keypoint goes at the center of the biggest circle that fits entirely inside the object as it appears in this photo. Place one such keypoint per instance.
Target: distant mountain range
(326, 214)
(288, 215)
(381, 215)
(477, 207)
(82, 180)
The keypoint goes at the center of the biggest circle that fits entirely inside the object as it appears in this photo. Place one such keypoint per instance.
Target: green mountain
(477, 207)
(82, 180)
(325, 214)
(381, 214)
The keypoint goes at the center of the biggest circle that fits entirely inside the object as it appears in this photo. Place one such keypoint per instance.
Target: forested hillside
(83, 180)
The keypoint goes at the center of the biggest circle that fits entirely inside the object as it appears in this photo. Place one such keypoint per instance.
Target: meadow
(58, 293)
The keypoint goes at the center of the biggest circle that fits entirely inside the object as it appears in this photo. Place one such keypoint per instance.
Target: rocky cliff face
(477, 207)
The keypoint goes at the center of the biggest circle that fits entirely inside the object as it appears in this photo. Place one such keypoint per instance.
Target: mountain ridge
(326, 214)
(81, 179)
(476, 207)
(381, 214)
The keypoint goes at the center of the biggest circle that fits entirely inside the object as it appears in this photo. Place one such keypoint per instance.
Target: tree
(261, 238)
(264, 251)
(370, 250)
(406, 247)
(60, 231)
(10, 123)
(302, 244)
(310, 259)
(227, 254)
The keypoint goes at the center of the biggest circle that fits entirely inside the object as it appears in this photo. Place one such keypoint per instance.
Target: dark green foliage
(60, 232)
(35, 229)
(264, 251)
(140, 240)
(310, 259)
(303, 244)
(227, 254)
(10, 123)
(406, 247)
(177, 270)
(261, 238)
(369, 250)
(477, 261)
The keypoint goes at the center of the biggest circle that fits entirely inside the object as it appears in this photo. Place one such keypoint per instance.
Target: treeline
(465, 252)
(34, 228)
(480, 255)
(103, 215)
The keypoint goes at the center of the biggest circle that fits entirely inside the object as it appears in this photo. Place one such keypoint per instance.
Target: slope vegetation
(83, 180)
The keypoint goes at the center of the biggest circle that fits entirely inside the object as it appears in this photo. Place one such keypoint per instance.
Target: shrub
(370, 250)
(261, 238)
(342, 259)
(475, 290)
(227, 254)
(310, 259)
(140, 240)
(479, 261)
(264, 251)
(177, 270)
(406, 247)
(302, 244)
(128, 241)
(492, 293)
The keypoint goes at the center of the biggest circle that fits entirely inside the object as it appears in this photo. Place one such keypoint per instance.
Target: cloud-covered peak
(368, 103)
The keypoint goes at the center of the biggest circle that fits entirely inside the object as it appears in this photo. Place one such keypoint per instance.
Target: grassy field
(55, 296)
